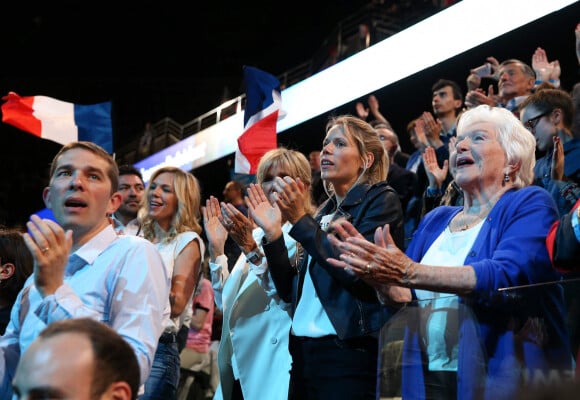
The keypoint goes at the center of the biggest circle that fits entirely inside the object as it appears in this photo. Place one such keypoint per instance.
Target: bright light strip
(446, 34)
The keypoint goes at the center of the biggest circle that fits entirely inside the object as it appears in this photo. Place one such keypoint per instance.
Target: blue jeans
(164, 377)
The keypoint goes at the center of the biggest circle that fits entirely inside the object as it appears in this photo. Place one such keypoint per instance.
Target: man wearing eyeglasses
(548, 115)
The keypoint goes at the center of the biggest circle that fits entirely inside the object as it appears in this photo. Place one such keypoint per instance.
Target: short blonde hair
(291, 161)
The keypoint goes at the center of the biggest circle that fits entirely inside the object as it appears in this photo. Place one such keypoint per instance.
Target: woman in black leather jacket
(337, 316)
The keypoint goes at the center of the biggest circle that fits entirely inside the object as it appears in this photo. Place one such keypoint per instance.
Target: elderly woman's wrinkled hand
(238, 226)
(379, 263)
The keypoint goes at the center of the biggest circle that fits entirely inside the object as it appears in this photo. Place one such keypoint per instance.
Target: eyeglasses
(531, 123)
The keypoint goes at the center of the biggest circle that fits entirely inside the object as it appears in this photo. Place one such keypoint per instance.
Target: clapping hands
(266, 215)
(544, 69)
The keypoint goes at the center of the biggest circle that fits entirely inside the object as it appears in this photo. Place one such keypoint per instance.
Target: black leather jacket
(350, 303)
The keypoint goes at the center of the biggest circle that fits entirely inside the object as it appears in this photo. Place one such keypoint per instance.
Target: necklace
(465, 223)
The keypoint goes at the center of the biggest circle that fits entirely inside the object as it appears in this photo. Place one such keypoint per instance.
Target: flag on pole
(263, 108)
(60, 121)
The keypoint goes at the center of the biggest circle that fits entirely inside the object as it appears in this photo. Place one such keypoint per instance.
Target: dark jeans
(440, 385)
(331, 368)
(164, 377)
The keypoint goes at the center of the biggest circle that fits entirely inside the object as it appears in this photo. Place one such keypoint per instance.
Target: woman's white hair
(517, 142)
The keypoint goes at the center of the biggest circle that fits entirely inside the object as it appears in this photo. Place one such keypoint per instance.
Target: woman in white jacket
(253, 357)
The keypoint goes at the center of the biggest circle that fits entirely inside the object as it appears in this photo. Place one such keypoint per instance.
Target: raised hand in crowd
(545, 70)
(476, 74)
(361, 111)
(557, 170)
(478, 97)
(432, 129)
(420, 133)
(435, 174)
(266, 215)
(215, 232)
(372, 110)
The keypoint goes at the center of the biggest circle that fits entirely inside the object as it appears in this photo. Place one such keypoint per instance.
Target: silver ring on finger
(369, 269)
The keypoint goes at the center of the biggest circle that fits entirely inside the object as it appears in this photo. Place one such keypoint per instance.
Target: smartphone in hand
(483, 70)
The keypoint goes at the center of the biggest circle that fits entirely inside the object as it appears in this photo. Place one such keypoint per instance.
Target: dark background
(166, 60)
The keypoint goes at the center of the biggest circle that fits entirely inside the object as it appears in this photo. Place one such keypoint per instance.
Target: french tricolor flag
(60, 121)
(261, 113)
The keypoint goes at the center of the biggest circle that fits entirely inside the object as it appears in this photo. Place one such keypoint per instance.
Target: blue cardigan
(506, 339)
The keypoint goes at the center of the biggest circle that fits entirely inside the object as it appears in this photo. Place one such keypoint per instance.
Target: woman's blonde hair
(187, 216)
(293, 162)
(366, 140)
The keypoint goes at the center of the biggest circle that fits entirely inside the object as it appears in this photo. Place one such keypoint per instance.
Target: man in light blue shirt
(82, 268)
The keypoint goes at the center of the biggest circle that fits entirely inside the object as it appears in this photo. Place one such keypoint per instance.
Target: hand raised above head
(361, 111)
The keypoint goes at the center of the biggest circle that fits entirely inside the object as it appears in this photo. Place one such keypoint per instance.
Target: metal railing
(382, 18)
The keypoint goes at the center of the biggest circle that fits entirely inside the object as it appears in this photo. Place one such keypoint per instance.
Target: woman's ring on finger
(368, 269)
(45, 249)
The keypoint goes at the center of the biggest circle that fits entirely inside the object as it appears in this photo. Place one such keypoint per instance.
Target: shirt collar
(91, 250)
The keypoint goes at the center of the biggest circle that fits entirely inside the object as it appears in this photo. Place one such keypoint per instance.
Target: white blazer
(256, 327)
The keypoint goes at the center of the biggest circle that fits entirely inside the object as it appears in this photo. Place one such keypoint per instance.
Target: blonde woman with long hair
(171, 221)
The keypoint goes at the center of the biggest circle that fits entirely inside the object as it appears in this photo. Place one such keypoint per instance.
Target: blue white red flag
(60, 121)
(263, 108)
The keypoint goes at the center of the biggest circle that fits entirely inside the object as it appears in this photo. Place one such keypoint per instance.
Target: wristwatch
(255, 256)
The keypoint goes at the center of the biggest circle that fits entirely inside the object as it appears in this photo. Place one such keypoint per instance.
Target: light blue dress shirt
(118, 280)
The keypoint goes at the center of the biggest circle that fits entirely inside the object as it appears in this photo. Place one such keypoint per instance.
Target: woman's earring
(506, 178)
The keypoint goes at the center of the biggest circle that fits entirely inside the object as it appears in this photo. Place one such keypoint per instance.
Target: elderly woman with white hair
(471, 339)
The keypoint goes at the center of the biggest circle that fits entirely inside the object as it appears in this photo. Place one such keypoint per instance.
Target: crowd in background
(282, 288)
